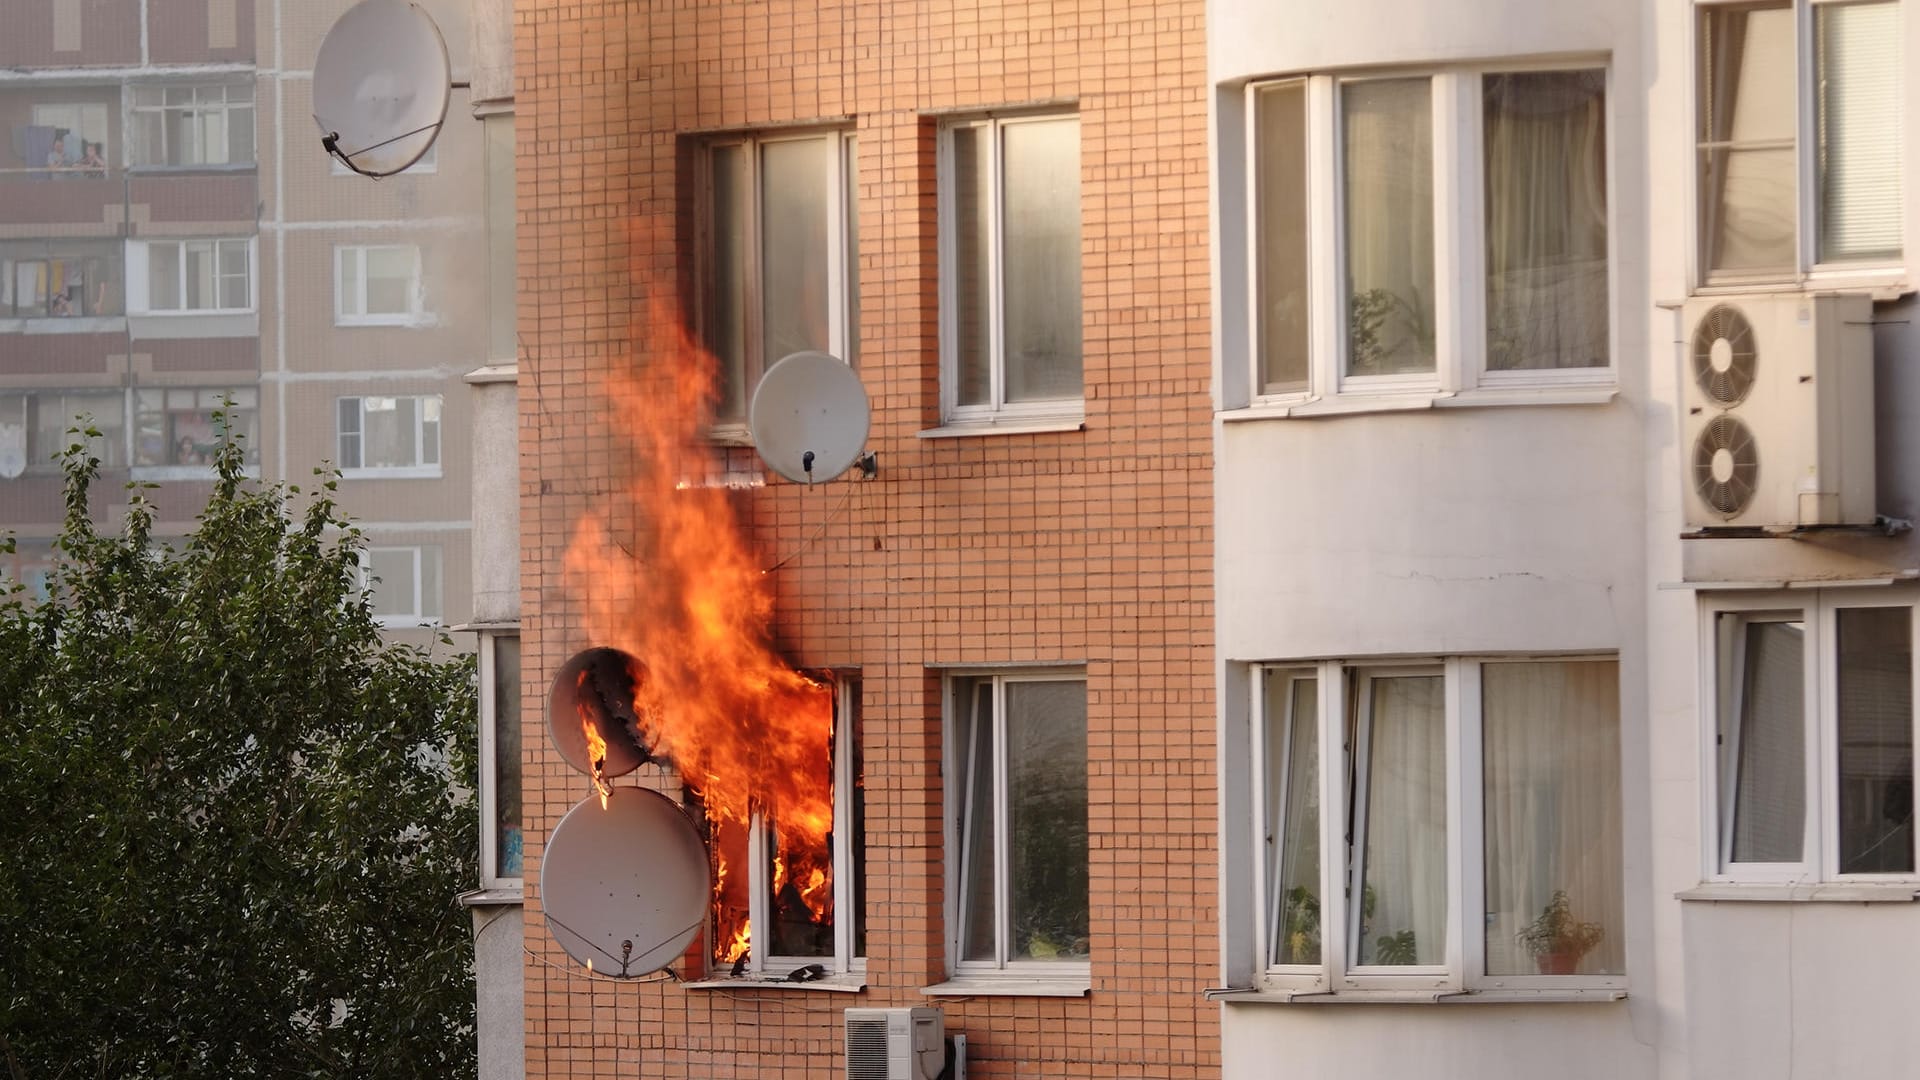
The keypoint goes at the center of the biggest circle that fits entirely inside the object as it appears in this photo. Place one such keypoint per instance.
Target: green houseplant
(1557, 940)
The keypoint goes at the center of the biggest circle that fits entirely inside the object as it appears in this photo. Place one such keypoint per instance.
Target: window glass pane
(1280, 178)
(1545, 142)
(430, 430)
(974, 753)
(163, 276)
(1551, 749)
(726, 321)
(390, 280)
(349, 421)
(200, 276)
(430, 582)
(52, 414)
(352, 301)
(1293, 817)
(852, 192)
(1403, 910)
(1041, 274)
(389, 436)
(793, 248)
(973, 275)
(1765, 765)
(506, 756)
(239, 149)
(1876, 740)
(1746, 130)
(1047, 820)
(1387, 132)
(392, 580)
(1857, 128)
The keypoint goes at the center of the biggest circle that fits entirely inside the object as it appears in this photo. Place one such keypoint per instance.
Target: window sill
(1481, 397)
(1568, 996)
(1881, 284)
(1830, 892)
(405, 622)
(186, 472)
(494, 896)
(402, 472)
(850, 983)
(1010, 426)
(983, 986)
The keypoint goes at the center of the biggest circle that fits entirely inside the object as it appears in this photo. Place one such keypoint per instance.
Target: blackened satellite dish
(381, 82)
(625, 885)
(604, 687)
(809, 417)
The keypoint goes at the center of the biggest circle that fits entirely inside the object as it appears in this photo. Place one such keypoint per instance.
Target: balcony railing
(77, 201)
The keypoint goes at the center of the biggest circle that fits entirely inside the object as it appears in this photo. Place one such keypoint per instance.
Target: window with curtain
(1010, 243)
(778, 259)
(1527, 877)
(1759, 68)
(1354, 305)
(1814, 736)
(390, 434)
(1018, 797)
(1544, 153)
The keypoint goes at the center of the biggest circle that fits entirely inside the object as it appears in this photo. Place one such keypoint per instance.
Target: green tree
(233, 831)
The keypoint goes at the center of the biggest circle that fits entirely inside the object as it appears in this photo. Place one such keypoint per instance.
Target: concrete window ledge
(502, 897)
(1832, 892)
(986, 987)
(1567, 996)
(836, 984)
(1011, 426)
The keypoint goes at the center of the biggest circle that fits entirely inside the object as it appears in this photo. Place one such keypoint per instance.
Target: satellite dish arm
(331, 142)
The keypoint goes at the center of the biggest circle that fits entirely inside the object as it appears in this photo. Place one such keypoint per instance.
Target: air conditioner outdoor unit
(1779, 412)
(896, 1044)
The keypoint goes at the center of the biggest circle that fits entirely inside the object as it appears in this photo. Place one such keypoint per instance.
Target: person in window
(93, 158)
(57, 157)
(188, 452)
(60, 305)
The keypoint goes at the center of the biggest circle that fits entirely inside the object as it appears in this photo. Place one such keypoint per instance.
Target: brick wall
(1090, 546)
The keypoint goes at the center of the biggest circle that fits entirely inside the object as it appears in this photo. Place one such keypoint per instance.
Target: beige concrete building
(172, 235)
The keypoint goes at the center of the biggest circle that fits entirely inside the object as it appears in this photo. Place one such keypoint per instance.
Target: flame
(683, 592)
(596, 746)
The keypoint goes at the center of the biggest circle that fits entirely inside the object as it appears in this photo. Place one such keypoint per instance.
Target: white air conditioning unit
(896, 1044)
(1779, 412)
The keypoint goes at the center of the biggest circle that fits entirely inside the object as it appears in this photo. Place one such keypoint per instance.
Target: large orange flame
(686, 595)
(596, 746)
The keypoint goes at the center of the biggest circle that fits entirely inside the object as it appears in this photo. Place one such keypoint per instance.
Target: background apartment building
(171, 236)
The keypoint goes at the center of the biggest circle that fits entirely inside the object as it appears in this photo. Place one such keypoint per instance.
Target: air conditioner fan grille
(1726, 465)
(1725, 355)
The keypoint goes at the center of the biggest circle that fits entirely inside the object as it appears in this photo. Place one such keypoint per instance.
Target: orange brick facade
(1090, 546)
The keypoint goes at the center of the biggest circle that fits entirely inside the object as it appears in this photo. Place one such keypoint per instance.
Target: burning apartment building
(945, 722)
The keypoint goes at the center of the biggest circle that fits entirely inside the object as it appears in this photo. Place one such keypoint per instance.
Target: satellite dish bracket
(331, 142)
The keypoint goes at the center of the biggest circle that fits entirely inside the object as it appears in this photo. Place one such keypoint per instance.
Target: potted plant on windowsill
(1557, 940)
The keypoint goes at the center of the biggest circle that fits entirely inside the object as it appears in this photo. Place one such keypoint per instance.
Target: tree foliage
(234, 833)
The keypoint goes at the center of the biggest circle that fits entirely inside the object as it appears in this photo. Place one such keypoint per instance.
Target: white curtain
(1404, 883)
(1546, 203)
(1767, 765)
(1550, 734)
(1388, 132)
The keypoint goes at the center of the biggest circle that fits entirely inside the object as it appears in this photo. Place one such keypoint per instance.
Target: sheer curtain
(1403, 908)
(1388, 135)
(1545, 144)
(1875, 739)
(1292, 818)
(1748, 109)
(1550, 734)
(1766, 769)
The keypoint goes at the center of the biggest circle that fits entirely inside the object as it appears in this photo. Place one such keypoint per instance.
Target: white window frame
(846, 898)
(421, 468)
(416, 616)
(1464, 970)
(1460, 347)
(842, 146)
(1048, 977)
(1820, 846)
(140, 285)
(209, 398)
(490, 875)
(1065, 412)
(138, 115)
(1808, 272)
(45, 114)
(352, 310)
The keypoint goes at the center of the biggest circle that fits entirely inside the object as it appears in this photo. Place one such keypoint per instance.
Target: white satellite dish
(809, 417)
(625, 886)
(608, 684)
(380, 86)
